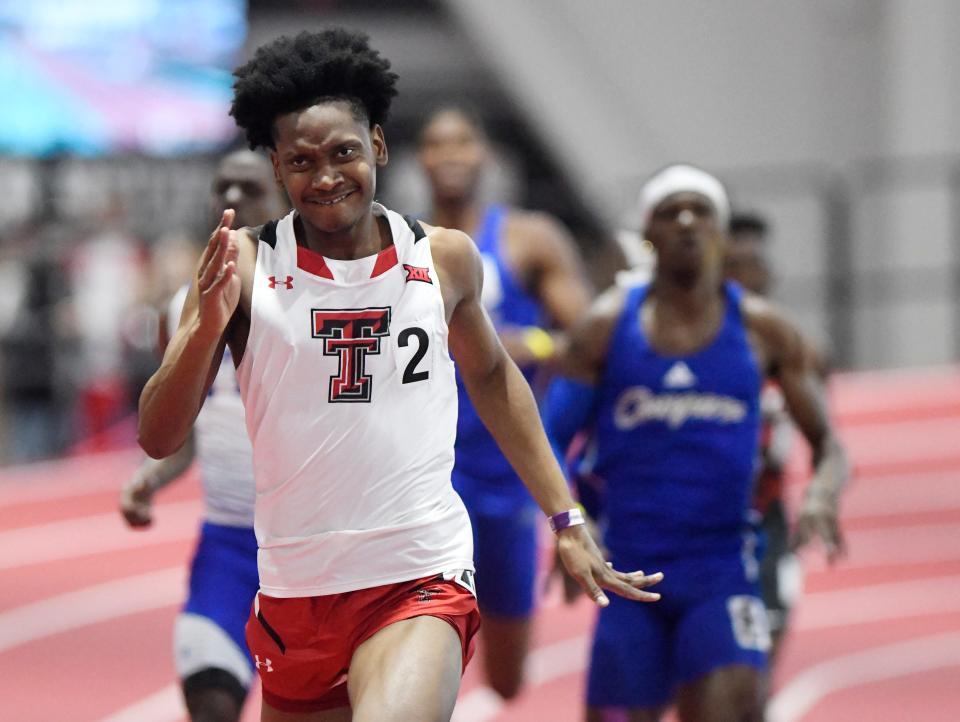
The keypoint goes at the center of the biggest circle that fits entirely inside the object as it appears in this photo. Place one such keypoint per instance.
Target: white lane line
(877, 603)
(477, 705)
(165, 705)
(890, 661)
(95, 534)
(100, 603)
(544, 664)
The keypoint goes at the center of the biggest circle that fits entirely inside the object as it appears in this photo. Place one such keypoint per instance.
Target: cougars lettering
(637, 405)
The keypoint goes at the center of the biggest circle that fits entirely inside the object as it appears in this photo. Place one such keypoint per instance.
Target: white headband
(683, 179)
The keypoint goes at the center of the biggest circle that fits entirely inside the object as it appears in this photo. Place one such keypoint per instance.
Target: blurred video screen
(115, 76)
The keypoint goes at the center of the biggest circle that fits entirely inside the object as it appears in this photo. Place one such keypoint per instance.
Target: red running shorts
(302, 646)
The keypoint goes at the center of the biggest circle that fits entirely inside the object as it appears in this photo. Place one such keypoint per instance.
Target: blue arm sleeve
(567, 408)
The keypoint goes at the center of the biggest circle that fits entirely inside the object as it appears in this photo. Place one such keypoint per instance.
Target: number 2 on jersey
(410, 373)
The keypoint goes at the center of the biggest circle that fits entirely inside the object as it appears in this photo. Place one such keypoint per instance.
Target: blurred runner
(210, 651)
(533, 290)
(668, 377)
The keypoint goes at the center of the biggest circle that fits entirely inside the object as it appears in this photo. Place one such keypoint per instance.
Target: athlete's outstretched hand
(217, 279)
(559, 574)
(819, 517)
(584, 562)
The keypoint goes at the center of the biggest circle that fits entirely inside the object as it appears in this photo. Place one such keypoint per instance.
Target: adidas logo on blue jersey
(679, 377)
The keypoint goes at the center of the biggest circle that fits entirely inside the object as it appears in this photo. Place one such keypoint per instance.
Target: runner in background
(667, 379)
(747, 262)
(210, 651)
(533, 290)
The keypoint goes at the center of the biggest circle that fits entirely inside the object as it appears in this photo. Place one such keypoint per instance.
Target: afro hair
(291, 74)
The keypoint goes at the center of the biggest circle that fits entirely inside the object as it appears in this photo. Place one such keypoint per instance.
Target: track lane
(902, 513)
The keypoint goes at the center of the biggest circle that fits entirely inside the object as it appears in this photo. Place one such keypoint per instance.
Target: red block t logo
(351, 335)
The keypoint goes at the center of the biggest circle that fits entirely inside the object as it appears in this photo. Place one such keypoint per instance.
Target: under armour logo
(425, 595)
(416, 273)
(288, 283)
(266, 663)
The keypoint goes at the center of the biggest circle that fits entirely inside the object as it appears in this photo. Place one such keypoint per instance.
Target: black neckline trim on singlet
(268, 234)
(415, 226)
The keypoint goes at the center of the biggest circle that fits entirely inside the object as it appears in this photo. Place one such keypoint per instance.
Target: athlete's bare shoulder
(248, 244)
(605, 311)
(781, 342)
(454, 254)
(253, 232)
(590, 337)
(536, 235)
(238, 329)
(535, 224)
(249, 237)
(458, 264)
(764, 318)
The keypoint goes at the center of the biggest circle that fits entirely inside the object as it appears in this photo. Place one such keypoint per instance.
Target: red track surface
(86, 606)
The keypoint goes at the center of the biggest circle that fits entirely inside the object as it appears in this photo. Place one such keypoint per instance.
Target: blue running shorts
(209, 633)
(710, 615)
(505, 542)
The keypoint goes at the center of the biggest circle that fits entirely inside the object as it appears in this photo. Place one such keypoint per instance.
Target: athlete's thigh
(409, 671)
(721, 650)
(630, 660)
(723, 630)
(506, 642)
(727, 694)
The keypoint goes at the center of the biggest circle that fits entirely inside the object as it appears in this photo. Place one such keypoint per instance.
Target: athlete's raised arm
(795, 366)
(506, 405)
(174, 394)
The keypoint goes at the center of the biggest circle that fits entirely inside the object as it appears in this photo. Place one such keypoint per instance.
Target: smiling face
(684, 229)
(326, 158)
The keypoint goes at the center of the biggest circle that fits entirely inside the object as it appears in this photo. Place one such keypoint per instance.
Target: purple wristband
(565, 519)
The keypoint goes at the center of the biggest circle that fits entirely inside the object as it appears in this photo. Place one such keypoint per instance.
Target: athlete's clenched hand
(136, 502)
(584, 562)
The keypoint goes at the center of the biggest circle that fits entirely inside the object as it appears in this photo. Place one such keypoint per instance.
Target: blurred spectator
(32, 339)
(109, 279)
